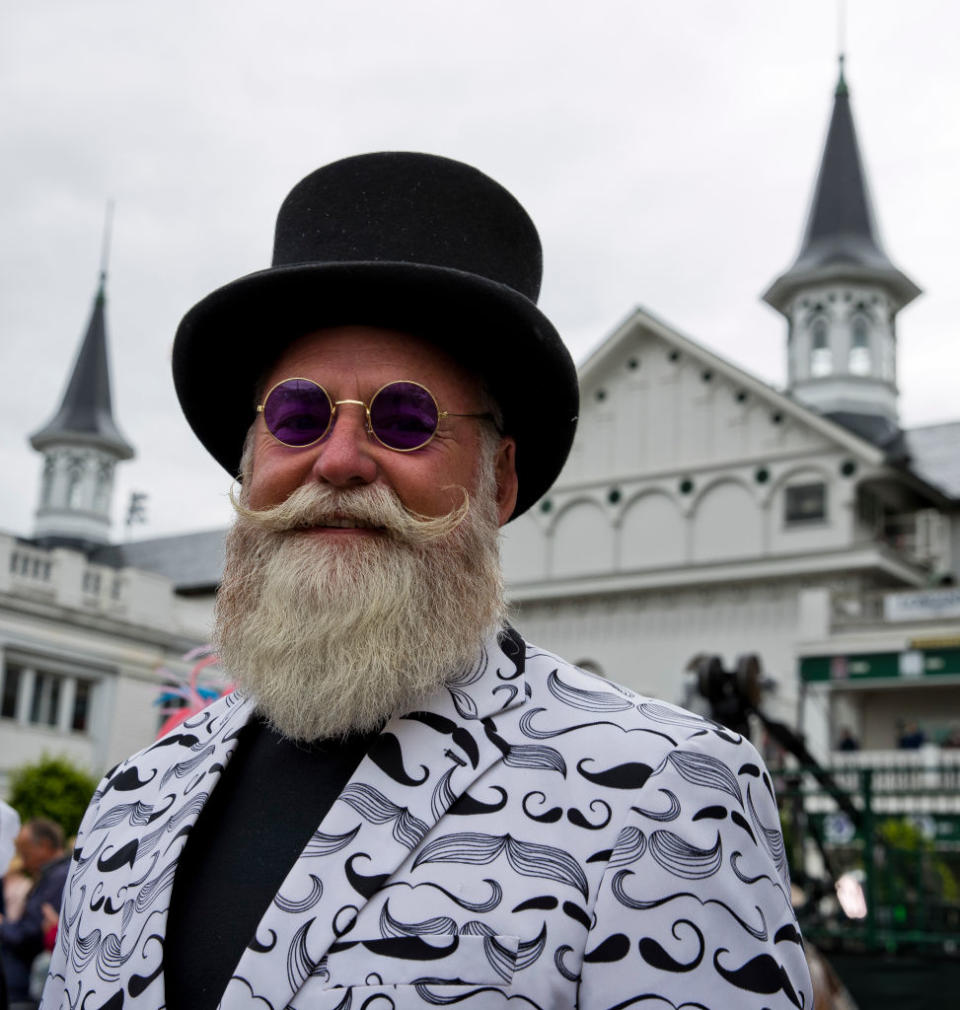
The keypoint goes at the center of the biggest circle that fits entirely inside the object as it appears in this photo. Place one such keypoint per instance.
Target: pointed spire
(841, 239)
(85, 414)
(105, 244)
(841, 90)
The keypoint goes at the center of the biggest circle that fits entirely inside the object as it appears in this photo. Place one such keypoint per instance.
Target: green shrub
(904, 839)
(51, 787)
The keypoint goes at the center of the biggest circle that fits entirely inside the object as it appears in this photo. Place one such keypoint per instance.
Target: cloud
(666, 152)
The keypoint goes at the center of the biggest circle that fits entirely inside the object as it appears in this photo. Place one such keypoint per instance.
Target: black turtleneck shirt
(271, 797)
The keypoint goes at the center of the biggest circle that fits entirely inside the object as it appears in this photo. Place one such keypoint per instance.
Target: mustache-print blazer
(536, 837)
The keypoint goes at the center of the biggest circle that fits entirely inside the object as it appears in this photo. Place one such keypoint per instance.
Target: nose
(345, 458)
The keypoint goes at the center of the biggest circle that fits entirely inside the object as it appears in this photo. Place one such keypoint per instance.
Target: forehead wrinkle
(377, 352)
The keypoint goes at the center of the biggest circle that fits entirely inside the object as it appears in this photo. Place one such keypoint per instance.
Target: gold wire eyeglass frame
(441, 414)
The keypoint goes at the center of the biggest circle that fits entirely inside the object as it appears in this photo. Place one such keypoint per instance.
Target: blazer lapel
(421, 764)
(142, 816)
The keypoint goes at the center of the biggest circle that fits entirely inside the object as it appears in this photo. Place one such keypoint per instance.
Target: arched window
(46, 487)
(74, 481)
(821, 358)
(859, 347)
(101, 495)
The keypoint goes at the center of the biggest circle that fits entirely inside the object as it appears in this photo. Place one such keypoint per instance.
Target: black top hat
(412, 242)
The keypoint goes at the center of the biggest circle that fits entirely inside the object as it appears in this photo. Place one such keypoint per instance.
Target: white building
(87, 628)
(701, 510)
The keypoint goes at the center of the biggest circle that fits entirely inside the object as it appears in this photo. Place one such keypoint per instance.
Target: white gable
(653, 401)
(682, 461)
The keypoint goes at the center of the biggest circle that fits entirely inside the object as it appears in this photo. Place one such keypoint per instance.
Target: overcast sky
(666, 151)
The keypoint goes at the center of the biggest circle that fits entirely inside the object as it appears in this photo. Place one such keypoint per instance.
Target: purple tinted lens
(403, 415)
(297, 412)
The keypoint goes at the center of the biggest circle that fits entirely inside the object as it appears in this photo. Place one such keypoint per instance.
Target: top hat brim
(228, 341)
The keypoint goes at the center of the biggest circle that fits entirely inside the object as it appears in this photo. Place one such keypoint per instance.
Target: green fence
(891, 835)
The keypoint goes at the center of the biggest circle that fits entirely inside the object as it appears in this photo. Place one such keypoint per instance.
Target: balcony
(877, 846)
(63, 577)
(921, 607)
(920, 782)
(921, 537)
(31, 571)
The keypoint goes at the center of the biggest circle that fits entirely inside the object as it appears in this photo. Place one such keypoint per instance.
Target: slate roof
(194, 561)
(86, 413)
(875, 428)
(935, 455)
(841, 239)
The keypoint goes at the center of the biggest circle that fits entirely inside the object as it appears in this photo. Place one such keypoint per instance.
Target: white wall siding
(645, 640)
(653, 532)
(583, 540)
(726, 523)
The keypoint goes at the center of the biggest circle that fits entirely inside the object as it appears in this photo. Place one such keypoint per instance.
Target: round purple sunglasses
(401, 415)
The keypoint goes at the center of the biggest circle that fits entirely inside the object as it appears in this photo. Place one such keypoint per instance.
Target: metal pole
(869, 855)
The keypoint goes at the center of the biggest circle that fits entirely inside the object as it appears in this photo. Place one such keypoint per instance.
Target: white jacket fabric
(536, 837)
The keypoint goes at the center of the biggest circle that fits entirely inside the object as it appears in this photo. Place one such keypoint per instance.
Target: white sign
(923, 605)
(911, 664)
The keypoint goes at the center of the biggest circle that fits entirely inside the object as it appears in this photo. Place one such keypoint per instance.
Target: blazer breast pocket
(434, 959)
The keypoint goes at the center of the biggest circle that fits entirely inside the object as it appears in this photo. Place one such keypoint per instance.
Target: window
(46, 697)
(101, 495)
(11, 691)
(81, 706)
(859, 347)
(74, 481)
(821, 358)
(47, 485)
(45, 700)
(805, 503)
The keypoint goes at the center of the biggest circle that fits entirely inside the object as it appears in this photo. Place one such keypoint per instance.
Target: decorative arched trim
(582, 499)
(715, 482)
(645, 492)
(658, 490)
(813, 469)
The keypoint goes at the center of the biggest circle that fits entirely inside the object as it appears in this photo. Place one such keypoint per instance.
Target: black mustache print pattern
(534, 837)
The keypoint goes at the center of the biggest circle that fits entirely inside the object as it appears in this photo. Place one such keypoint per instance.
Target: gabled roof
(841, 239)
(926, 457)
(934, 452)
(875, 428)
(193, 561)
(85, 414)
(641, 317)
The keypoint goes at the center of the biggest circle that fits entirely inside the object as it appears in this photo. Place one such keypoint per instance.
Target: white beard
(334, 635)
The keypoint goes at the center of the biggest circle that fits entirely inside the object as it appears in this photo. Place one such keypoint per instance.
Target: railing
(65, 578)
(69, 579)
(922, 537)
(871, 608)
(856, 609)
(896, 848)
(103, 589)
(32, 568)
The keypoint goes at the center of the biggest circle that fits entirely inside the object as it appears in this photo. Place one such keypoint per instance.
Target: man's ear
(506, 474)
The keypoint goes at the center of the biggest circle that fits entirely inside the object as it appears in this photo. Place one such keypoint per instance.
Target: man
(39, 844)
(406, 805)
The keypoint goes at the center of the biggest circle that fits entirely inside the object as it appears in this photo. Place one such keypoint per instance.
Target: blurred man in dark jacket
(40, 846)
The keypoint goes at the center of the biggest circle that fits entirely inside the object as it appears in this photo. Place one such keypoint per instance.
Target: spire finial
(105, 244)
(841, 45)
(841, 88)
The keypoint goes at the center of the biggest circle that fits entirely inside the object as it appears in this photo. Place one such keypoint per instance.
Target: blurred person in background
(39, 845)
